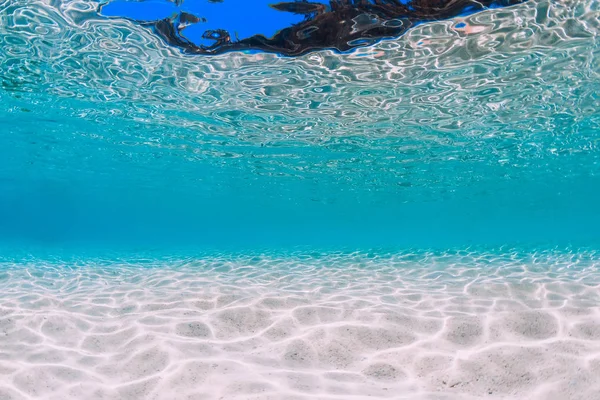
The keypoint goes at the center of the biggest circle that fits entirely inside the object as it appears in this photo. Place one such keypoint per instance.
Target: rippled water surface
(475, 130)
(414, 219)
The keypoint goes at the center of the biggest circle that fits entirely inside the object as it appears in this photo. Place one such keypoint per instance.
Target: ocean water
(483, 134)
(415, 218)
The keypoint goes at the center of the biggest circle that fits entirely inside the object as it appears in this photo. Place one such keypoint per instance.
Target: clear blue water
(480, 131)
(415, 219)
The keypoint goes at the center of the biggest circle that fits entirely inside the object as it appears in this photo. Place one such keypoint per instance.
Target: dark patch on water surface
(289, 28)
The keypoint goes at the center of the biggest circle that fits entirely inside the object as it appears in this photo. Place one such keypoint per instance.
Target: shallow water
(413, 219)
(447, 136)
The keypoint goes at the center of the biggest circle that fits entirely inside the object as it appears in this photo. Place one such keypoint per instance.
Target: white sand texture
(457, 325)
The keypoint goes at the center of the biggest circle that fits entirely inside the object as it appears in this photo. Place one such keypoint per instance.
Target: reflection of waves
(515, 87)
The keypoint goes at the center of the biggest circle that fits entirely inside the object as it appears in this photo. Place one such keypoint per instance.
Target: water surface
(477, 130)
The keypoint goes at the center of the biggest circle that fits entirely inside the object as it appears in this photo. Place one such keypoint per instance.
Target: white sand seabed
(336, 326)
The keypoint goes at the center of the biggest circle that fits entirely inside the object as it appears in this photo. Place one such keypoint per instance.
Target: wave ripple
(512, 91)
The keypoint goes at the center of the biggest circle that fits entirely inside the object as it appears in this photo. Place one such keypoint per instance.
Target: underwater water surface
(476, 130)
(405, 208)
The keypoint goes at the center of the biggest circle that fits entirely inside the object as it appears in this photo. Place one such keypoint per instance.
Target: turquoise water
(414, 219)
(478, 131)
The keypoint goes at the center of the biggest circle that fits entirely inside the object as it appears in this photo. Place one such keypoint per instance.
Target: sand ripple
(421, 325)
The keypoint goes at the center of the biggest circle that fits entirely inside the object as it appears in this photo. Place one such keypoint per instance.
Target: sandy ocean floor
(461, 325)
